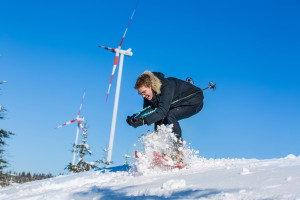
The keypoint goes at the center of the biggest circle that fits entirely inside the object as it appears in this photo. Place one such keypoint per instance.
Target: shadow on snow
(107, 193)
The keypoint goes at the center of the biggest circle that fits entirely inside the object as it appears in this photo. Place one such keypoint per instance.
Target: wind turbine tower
(119, 52)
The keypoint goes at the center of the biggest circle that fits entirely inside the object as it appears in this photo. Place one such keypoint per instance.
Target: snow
(160, 141)
(201, 179)
(205, 179)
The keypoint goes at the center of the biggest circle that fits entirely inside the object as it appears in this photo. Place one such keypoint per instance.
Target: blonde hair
(148, 79)
(143, 80)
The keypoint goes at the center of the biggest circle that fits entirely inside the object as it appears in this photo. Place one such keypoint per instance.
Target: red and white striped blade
(126, 29)
(108, 48)
(70, 122)
(112, 74)
(117, 54)
(81, 103)
(79, 122)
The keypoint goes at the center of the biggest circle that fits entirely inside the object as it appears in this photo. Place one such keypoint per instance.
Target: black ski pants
(178, 113)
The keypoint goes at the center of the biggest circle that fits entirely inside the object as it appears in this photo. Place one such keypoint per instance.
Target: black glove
(135, 121)
(129, 119)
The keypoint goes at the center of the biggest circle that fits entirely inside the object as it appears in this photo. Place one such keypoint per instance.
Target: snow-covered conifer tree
(3, 135)
(103, 162)
(82, 149)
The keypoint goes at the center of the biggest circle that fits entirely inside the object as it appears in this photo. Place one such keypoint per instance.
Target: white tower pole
(114, 117)
(76, 140)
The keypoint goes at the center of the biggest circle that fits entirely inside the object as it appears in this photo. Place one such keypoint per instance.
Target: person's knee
(171, 119)
(199, 108)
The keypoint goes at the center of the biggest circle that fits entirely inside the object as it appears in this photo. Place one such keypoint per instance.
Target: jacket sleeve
(167, 94)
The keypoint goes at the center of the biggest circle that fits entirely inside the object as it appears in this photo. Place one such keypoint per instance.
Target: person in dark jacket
(170, 100)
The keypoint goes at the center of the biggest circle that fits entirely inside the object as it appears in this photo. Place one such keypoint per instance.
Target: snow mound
(291, 156)
(245, 171)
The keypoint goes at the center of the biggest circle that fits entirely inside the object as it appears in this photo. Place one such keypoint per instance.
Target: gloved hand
(135, 121)
(129, 119)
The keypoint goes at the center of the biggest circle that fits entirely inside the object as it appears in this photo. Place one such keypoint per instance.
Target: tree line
(23, 177)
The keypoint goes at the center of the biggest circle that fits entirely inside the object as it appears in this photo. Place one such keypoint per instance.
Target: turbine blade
(108, 48)
(127, 27)
(117, 53)
(112, 74)
(70, 122)
(79, 122)
(81, 103)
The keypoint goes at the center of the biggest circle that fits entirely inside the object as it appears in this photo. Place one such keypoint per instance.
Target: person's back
(184, 93)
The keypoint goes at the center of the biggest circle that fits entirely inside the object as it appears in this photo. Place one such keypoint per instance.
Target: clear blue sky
(49, 54)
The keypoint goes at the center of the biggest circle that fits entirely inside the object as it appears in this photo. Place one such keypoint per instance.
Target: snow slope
(205, 179)
(201, 179)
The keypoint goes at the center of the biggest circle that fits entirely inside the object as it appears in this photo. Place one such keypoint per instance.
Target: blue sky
(49, 54)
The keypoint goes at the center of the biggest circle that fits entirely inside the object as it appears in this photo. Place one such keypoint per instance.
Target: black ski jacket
(169, 93)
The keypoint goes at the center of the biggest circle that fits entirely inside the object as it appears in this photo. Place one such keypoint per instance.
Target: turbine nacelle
(124, 52)
(80, 119)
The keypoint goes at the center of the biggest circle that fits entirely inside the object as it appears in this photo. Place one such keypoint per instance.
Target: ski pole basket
(211, 86)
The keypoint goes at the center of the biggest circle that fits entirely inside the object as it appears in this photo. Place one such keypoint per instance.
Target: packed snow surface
(201, 179)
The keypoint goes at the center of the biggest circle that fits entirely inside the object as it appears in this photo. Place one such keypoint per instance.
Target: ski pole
(145, 114)
(140, 112)
(212, 86)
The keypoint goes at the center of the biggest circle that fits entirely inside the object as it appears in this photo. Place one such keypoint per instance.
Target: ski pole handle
(140, 112)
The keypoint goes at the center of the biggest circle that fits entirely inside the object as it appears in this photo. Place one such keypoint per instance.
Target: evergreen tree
(82, 149)
(104, 163)
(127, 157)
(3, 135)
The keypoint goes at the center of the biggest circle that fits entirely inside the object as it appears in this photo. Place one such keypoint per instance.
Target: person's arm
(167, 94)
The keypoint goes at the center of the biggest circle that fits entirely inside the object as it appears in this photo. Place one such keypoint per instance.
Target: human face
(146, 92)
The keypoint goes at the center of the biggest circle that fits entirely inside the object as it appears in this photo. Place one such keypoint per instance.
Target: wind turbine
(119, 52)
(79, 120)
